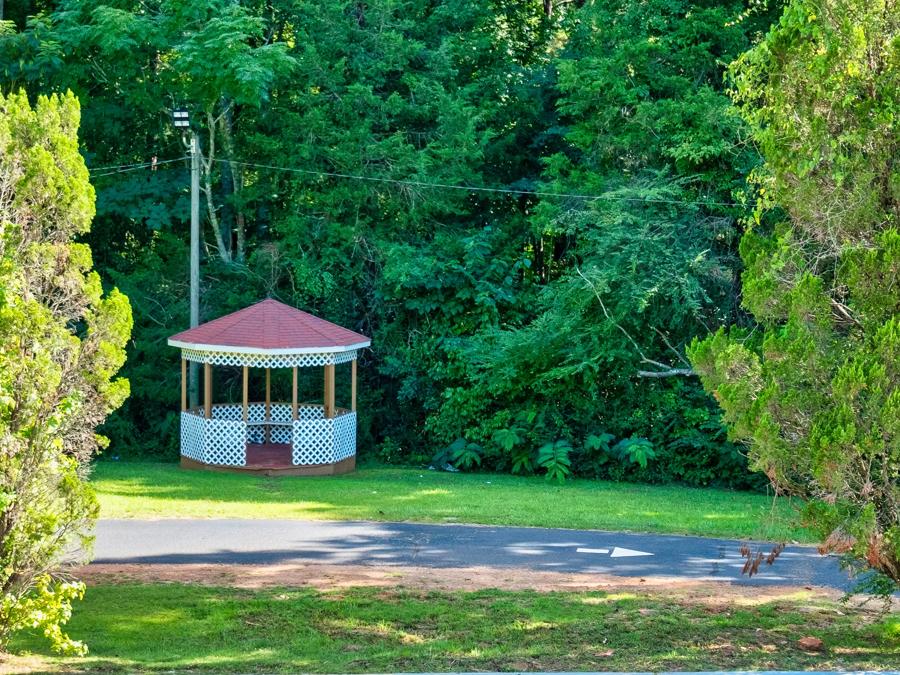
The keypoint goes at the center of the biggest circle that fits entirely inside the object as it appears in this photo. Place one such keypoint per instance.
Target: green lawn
(155, 490)
(140, 628)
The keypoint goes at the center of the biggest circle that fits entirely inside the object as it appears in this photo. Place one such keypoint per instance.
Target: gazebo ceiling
(270, 327)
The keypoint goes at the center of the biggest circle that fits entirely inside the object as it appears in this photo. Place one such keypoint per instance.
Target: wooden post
(329, 391)
(353, 385)
(184, 384)
(268, 404)
(207, 389)
(246, 386)
(294, 415)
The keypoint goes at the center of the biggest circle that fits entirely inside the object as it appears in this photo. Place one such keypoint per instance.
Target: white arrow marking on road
(626, 553)
(591, 550)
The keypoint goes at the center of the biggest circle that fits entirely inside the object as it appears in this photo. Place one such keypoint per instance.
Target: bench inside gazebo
(270, 437)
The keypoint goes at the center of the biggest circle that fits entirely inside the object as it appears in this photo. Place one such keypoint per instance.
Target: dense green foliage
(520, 323)
(61, 343)
(815, 391)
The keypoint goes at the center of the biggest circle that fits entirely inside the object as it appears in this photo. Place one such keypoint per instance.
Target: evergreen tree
(61, 343)
(815, 390)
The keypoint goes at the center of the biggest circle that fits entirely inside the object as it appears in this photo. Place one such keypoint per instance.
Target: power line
(474, 188)
(125, 168)
(118, 166)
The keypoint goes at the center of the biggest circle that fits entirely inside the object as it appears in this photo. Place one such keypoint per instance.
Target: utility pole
(194, 374)
(182, 121)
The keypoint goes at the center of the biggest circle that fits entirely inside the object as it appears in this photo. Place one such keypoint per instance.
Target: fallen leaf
(608, 652)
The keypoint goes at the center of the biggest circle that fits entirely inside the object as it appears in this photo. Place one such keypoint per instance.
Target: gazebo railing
(222, 438)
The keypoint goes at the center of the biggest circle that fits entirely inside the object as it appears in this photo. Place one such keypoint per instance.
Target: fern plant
(459, 454)
(634, 450)
(554, 457)
(510, 440)
(595, 452)
(464, 455)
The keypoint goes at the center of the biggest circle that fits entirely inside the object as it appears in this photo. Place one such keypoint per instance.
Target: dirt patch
(29, 664)
(332, 577)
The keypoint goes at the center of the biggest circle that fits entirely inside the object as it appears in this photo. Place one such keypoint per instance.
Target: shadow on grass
(161, 490)
(154, 627)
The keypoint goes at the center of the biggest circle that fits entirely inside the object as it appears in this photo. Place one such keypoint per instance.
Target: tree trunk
(224, 253)
(236, 173)
(226, 213)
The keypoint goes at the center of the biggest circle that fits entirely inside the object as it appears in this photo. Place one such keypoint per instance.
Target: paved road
(285, 541)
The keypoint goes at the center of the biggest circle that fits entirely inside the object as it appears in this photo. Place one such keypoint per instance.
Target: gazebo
(270, 437)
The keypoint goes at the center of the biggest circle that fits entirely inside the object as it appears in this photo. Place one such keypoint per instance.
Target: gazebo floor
(268, 455)
(274, 459)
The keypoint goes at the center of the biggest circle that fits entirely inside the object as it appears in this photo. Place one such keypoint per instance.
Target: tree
(457, 287)
(214, 58)
(61, 342)
(813, 391)
(622, 282)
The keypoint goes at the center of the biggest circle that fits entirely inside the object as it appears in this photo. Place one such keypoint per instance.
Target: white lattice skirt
(313, 439)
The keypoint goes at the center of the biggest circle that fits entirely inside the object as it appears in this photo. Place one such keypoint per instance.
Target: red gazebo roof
(270, 327)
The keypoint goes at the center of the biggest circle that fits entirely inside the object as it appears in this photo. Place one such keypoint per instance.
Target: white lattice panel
(226, 411)
(256, 412)
(281, 412)
(344, 436)
(223, 358)
(226, 443)
(313, 442)
(324, 441)
(192, 436)
(223, 439)
(214, 441)
(311, 412)
(282, 434)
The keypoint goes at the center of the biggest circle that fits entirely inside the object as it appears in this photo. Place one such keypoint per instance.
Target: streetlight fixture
(181, 120)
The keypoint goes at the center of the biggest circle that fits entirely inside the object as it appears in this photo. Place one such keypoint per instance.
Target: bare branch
(667, 370)
(672, 372)
(677, 353)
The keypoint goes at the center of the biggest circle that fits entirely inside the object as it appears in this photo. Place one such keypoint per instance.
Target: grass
(156, 490)
(150, 628)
